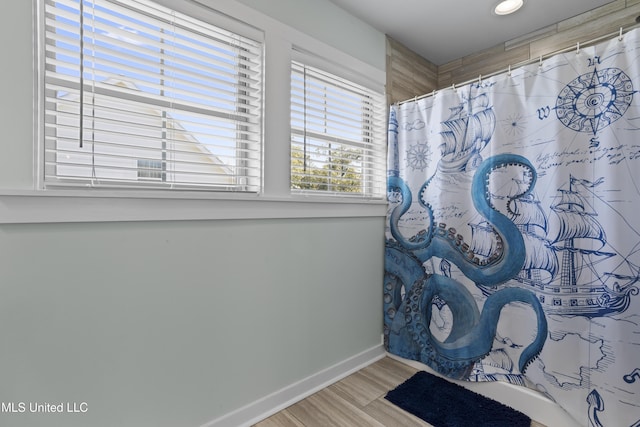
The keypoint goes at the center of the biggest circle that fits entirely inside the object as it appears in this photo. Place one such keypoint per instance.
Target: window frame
(31, 203)
(243, 180)
(342, 78)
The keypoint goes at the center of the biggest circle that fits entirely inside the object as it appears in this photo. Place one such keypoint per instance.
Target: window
(139, 95)
(337, 139)
(151, 169)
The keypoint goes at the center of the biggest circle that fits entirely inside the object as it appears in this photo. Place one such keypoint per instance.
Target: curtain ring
(620, 36)
(453, 86)
(540, 60)
(509, 71)
(480, 79)
(577, 48)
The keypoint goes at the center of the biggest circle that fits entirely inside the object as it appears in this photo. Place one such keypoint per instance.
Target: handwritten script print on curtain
(513, 233)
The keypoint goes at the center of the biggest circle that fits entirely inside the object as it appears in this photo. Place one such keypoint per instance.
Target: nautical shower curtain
(513, 231)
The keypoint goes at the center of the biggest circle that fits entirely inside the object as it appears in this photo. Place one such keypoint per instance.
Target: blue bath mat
(445, 404)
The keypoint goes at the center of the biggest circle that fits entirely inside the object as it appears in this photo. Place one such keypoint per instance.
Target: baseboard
(529, 402)
(287, 396)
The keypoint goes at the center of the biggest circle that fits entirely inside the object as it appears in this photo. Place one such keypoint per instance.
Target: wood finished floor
(357, 400)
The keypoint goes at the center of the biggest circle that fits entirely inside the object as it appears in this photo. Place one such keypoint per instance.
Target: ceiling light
(506, 7)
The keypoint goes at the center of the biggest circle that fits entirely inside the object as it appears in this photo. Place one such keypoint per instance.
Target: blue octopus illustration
(411, 293)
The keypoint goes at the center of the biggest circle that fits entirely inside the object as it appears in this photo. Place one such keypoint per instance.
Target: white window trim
(28, 207)
(276, 201)
(325, 65)
(110, 93)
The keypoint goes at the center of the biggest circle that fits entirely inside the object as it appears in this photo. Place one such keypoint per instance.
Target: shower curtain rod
(577, 46)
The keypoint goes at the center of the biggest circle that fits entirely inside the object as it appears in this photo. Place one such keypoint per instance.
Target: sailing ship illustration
(467, 131)
(563, 270)
(503, 365)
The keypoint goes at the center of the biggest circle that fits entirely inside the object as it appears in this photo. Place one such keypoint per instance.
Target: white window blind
(138, 95)
(337, 137)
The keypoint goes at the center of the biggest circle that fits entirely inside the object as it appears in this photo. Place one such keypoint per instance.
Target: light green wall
(17, 89)
(178, 323)
(168, 323)
(327, 22)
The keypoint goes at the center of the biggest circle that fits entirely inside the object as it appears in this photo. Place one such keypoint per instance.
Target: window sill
(52, 206)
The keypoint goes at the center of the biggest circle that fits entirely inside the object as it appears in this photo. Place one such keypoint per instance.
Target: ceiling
(444, 30)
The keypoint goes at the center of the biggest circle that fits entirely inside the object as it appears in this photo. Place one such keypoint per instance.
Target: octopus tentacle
(420, 240)
(402, 269)
(491, 314)
(472, 333)
(509, 261)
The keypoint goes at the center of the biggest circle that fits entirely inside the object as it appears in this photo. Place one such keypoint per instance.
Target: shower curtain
(513, 231)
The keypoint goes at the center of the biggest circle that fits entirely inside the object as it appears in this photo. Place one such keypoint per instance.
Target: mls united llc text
(44, 407)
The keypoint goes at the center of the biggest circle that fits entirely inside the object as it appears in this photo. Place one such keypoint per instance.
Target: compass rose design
(594, 100)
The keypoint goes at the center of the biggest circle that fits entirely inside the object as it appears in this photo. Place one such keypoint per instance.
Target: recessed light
(506, 7)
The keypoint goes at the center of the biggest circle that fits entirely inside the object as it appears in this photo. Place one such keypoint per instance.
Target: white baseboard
(274, 402)
(529, 402)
